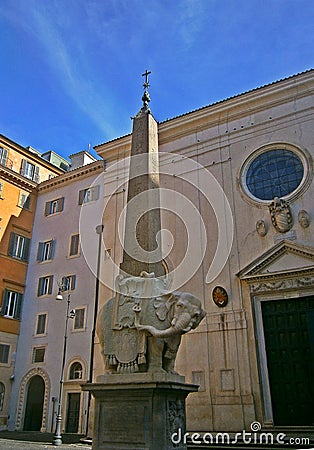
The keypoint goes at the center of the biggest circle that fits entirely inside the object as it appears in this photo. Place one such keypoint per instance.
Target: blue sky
(71, 69)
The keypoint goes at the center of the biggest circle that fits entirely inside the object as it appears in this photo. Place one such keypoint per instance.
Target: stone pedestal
(139, 411)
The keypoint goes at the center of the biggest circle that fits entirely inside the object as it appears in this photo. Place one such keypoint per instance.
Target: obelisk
(142, 252)
(140, 400)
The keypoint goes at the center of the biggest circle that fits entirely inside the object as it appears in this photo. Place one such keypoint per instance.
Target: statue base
(140, 411)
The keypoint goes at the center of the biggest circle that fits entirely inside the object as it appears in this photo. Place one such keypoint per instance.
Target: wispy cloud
(190, 21)
(69, 67)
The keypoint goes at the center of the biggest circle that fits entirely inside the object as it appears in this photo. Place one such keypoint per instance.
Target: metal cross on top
(146, 83)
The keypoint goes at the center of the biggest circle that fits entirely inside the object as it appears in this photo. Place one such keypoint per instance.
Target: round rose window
(274, 173)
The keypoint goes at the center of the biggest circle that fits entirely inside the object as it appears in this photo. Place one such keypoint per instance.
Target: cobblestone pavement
(9, 444)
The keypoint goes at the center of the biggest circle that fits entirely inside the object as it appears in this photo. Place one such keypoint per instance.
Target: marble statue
(140, 329)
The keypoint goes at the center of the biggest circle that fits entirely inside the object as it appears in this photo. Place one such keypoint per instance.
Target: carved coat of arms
(281, 215)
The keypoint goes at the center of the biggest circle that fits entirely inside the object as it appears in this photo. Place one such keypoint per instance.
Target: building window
(89, 195)
(4, 353)
(45, 285)
(2, 393)
(273, 173)
(1, 190)
(46, 250)
(30, 171)
(54, 206)
(41, 324)
(69, 282)
(74, 245)
(19, 246)
(24, 201)
(79, 320)
(11, 304)
(76, 371)
(38, 355)
(3, 156)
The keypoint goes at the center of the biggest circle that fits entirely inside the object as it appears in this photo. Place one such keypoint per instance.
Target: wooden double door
(289, 340)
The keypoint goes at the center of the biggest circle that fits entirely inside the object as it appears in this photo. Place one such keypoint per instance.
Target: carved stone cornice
(270, 256)
(282, 285)
(299, 279)
(16, 179)
(81, 172)
(261, 276)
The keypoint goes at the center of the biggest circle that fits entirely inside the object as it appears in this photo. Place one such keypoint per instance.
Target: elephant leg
(169, 357)
(155, 348)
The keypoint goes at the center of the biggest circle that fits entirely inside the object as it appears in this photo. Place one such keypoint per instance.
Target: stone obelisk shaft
(144, 180)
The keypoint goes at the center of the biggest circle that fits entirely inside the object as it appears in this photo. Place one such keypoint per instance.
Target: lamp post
(63, 286)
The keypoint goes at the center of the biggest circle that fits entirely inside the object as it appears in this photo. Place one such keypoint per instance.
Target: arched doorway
(34, 404)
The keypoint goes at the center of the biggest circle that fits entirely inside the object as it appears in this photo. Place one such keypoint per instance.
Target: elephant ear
(162, 305)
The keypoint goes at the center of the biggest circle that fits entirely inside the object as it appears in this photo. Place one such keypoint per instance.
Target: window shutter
(40, 252)
(74, 244)
(73, 284)
(4, 353)
(47, 208)
(4, 302)
(96, 192)
(52, 249)
(18, 306)
(36, 174)
(50, 284)
(12, 244)
(23, 167)
(26, 249)
(81, 197)
(1, 189)
(41, 324)
(79, 318)
(27, 201)
(22, 200)
(3, 156)
(40, 287)
(60, 204)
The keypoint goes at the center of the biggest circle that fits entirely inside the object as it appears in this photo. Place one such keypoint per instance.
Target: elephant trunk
(181, 326)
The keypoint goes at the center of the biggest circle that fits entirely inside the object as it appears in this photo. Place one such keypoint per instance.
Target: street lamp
(64, 286)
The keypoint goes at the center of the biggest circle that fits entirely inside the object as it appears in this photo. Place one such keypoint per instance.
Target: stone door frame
(261, 347)
(23, 396)
(269, 278)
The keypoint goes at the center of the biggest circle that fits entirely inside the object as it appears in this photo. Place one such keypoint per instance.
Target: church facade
(253, 355)
(237, 198)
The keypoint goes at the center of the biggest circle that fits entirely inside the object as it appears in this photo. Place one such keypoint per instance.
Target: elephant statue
(148, 333)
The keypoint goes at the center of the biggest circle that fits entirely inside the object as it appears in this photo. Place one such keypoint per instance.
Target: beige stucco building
(248, 257)
(251, 357)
